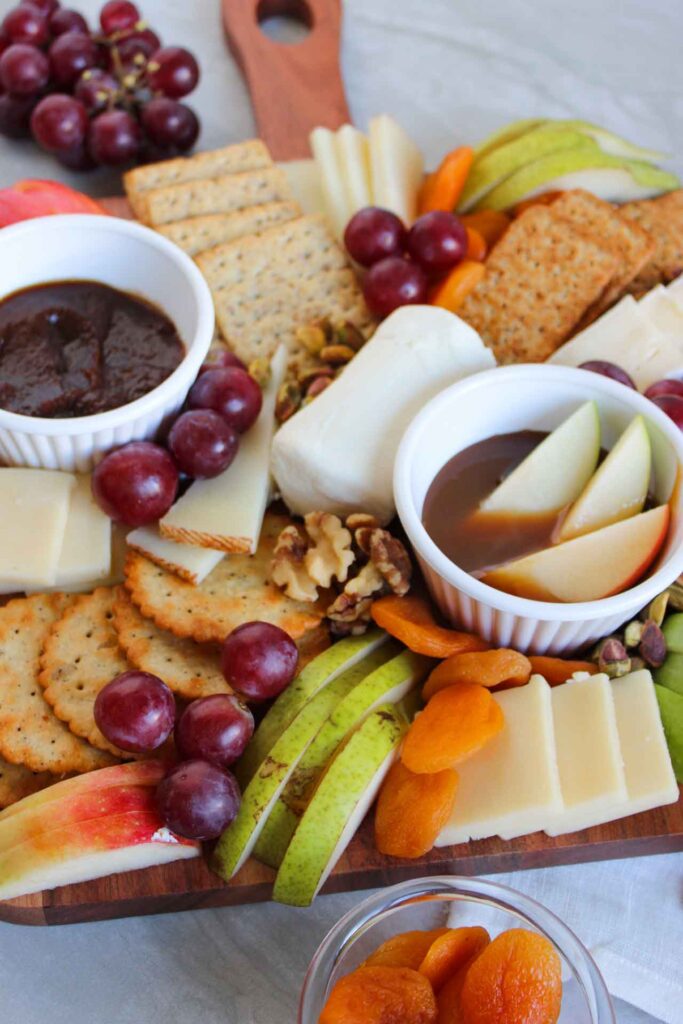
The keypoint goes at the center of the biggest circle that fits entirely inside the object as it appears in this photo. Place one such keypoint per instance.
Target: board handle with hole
(294, 86)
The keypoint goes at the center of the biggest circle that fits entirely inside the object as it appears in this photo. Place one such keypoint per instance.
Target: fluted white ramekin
(530, 397)
(127, 256)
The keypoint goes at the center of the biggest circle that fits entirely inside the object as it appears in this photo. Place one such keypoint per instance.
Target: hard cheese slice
(324, 148)
(226, 513)
(85, 554)
(663, 312)
(588, 755)
(306, 185)
(397, 168)
(190, 563)
(34, 504)
(353, 157)
(512, 785)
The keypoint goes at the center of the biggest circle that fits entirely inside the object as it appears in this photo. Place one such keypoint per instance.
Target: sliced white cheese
(625, 335)
(226, 513)
(337, 454)
(190, 563)
(397, 168)
(34, 506)
(324, 149)
(663, 312)
(353, 157)
(512, 785)
(675, 290)
(588, 755)
(304, 181)
(85, 555)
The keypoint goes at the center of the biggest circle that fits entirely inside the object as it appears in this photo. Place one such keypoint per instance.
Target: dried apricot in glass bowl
(451, 902)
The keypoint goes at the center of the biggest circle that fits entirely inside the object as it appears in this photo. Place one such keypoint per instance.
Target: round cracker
(18, 781)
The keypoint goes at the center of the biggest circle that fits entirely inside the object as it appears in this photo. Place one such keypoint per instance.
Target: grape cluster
(667, 394)
(109, 96)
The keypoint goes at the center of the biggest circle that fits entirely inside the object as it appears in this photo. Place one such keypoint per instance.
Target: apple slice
(618, 489)
(587, 568)
(341, 801)
(555, 472)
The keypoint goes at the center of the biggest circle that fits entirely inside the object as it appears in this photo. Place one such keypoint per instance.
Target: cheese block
(85, 555)
(626, 335)
(663, 312)
(353, 158)
(190, 563)
(397, 168)
(305, 184)
(337, 207)
(512, 785)
(34, 506)
(588, 755)
(226, 513)
(337, 454)
(675, 290)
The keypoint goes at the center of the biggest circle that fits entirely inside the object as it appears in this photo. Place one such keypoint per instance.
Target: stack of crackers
(58, 651)
(270, 269)
(560, 266)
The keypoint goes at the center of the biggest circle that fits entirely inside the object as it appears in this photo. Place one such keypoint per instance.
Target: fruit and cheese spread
(74, 348)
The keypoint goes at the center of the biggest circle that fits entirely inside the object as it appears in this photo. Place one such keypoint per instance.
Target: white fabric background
(450, 70)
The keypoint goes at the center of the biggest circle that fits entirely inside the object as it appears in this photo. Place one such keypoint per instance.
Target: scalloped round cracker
(30, 733)
(18, 781)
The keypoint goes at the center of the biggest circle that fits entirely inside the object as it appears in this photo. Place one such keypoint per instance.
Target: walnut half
(288, 568)
(331, 555)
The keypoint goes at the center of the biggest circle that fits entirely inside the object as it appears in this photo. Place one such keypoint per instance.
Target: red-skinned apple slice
(35, 198)
(588, 568)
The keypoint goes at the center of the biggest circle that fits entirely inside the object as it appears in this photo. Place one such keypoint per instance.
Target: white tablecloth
(451, 71)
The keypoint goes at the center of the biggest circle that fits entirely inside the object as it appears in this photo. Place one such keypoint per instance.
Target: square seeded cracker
(252, 155)
(662, 218)
(225, 194)
(197, 234)
(540, 279)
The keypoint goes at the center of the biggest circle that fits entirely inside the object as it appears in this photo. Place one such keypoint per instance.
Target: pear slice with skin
(613, 178)
(614, 144)
(385, 685)
(322, 670)
(618, 489)
(341, 801)
(555, 472)
(506, 134)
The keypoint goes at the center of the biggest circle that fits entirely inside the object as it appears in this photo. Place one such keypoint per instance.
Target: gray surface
(450, 72)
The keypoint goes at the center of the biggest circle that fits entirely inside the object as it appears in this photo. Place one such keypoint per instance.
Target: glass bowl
(427, 903)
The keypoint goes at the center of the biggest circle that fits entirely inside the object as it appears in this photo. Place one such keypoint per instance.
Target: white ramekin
(530, 397)
(127, 256)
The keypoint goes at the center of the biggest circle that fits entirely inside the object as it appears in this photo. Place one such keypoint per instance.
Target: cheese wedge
(337, 208)
(512, 785)
(304, 181)
(34, 505)
(397, 168)
(353, 158)
(85, 554)
(190, 563)
(588, 755)
(226, 513)
(337, 454)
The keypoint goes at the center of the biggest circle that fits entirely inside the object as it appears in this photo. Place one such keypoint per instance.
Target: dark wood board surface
(191, 885)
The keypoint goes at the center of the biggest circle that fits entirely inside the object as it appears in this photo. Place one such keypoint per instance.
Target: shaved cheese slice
(353, 156)
(397, 168)
(86, 546)
(34, 505)
(227, 512)
(190, 563)
(306, 185)
(324, 148)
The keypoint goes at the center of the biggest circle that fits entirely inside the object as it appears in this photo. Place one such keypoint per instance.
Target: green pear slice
(673, 633)
(322, 670)
(614, 178)
(614, 144)
(555, 473)
(671, 710)
(338, 806)
(497, 165)
(386, 685)
(618, 489)
(506, 134)
(670, 674)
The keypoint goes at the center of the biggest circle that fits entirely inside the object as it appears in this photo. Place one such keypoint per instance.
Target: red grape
(135, 711)
(117, 16)
(96, 89)
(259, 660)
(173, 71)
(59, 123)
(66, 20)
(373, 233)
(202, 443)
(24, 70)
(142, 43)
(198, 800)
(26, 24)
(437, 241)
(76, 159)
(46, 6)
(169, 123)
(15, 116)
(114, 138)
(136, 484)
(222, 358)
(394, 282)
(672, 405)
(610, 370)
(70, 55)
(216, 729)
(665, 387)
(5, 41)
(230, 392)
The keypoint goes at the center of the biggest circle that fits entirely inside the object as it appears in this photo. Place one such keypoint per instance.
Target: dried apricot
(544, 199)
(456, 723)
(410, 620)
(405, 950)
(476, 245)
(412, 809)
(381, 995)
(491, 224)
(556, 671)
(450, 952)
(487, 668)
(517, 979)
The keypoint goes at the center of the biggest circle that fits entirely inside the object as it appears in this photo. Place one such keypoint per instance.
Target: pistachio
(312, 338)
(338, 355)
(347, 333)
(259, 369)
(308, 374)
(288, 400)
(633, 632)
(656, 610)
(317, 386)
(612, 658)
(675, 593)
(652, 648)
(637, 664)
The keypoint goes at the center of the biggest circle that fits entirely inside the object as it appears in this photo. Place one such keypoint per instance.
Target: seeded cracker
(662, 218)
(540, 279)
(213, 195)
(236, 591)
(30, 733)
(81, 654)
(17, 781)
(197, 234)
